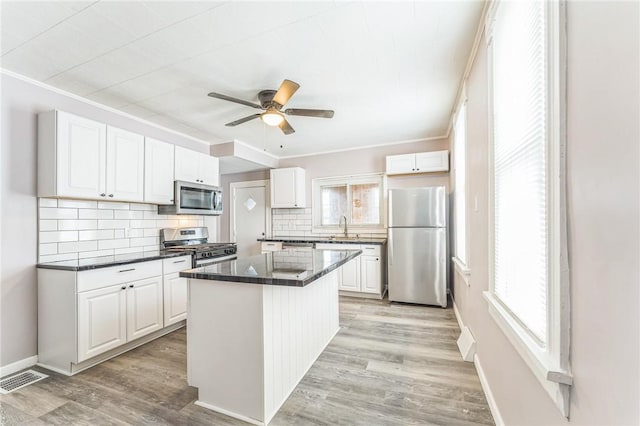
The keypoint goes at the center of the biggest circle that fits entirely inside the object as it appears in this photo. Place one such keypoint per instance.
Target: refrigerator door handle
(389, 205)
(390, 243)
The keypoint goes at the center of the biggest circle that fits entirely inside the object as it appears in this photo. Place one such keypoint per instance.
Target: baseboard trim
(229, 413)
(457, 312)
(14, 367)
(493, 407)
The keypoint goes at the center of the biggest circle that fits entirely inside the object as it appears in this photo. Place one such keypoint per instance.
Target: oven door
(195, 198)
(213, 260)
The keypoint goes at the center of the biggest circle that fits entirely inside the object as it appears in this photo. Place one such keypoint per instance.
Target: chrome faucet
(345, 224)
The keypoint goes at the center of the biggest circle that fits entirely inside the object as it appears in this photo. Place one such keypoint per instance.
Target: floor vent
(20, 380)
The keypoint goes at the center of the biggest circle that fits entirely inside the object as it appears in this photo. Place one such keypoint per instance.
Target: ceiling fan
(271, 102)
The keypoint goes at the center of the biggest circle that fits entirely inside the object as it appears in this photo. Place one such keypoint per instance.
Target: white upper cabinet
(82, 158)
(158, 171)
(192, 166)
(125, 165)
(423, 162)
(288, 188)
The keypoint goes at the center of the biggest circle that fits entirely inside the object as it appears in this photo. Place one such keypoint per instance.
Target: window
(358, 198)
(528, 295)
(460, 191)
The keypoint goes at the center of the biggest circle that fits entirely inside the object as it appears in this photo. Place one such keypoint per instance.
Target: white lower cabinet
(84, 317)
(364, 273)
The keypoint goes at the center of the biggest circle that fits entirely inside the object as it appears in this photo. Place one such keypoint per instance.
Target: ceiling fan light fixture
(272, 117)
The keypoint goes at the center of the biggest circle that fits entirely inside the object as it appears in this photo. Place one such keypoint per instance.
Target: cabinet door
(283, 188)
(370, 278)
(350, 275)
(125, 165)
(158, 171)
(436, 161)
(102, 319)
(399, 164)
(144, 307)
(187, 165)
(175, 298)
(209, 170)
(81, 157)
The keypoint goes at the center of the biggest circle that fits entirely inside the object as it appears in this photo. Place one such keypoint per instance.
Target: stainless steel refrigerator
(417, 245)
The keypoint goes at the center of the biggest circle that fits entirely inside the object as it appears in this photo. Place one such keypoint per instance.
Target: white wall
(603, 213)
(21, 102)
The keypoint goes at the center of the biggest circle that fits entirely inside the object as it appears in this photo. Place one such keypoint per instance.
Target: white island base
(248, 345)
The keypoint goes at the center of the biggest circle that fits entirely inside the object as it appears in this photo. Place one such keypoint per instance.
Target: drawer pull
(130, 285)
(180, 261)
(127, 270)
(124, 287)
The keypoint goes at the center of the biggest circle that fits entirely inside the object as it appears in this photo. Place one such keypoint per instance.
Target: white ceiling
(390, 70)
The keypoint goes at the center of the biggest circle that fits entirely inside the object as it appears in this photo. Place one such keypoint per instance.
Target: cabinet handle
(124, 287)
(413, 170)
(127, 270)
(111, 195)
(180, 261)
(418, 169)
(130, 285)
(103, 194)
(377, 258)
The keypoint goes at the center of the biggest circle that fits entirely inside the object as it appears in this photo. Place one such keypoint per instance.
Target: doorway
(250, 215)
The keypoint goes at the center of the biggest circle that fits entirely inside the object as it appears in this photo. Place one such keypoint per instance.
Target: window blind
(519, 162)
(459, 146)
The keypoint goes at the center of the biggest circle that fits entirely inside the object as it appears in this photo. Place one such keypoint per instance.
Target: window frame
(549, 362)
(316, 212)
(463, 266)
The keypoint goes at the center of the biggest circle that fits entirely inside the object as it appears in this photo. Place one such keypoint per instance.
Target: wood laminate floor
(390, 364)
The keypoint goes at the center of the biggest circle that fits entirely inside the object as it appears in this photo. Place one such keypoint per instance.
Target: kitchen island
(256, 325)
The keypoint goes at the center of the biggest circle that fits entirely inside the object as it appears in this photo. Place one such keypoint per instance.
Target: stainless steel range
(196, 241)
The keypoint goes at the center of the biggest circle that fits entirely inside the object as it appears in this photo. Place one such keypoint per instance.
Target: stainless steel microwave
(194, 198)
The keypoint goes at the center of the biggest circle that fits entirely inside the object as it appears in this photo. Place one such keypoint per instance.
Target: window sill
(463, 270)
(557, 383)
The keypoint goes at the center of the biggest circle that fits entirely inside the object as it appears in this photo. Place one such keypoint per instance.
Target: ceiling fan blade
(286, 127)
(242, 120)
(322, 113)
(230, 99)
(284, 93)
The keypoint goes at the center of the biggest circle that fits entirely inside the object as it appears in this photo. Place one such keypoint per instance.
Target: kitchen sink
(343, 238)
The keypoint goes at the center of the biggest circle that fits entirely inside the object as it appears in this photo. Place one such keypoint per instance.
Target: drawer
(176, 264)
(331, 246)
(371, 250)
(103, 277)
(271, 246)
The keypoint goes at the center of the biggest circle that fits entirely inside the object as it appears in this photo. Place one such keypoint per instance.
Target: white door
(209, 170)
(398, 164)
(81, 157)
(175, 298)
(102, 320)
(125, 165)
(370, 277)
(158, 171)
(283, 182)
(249, 216)
(144, 307)
(187, 165)
(351, 275)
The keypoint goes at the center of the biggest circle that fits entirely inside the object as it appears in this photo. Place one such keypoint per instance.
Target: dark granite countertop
(294, 267)
(327, 240)
(107, 261)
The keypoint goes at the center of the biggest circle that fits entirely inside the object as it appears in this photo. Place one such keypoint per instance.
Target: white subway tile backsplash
(76, 224)
(113, 244)
(149, 207)
(96, 253)
(113, 205)
(95, 214)
(77, 246)
(128, 214)
(72, 229)
(58, 236)
(47, 249)
(48, 225)
(58, 213)
(96, 234)
(48, 202)
(78, 204)
(112, 224)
